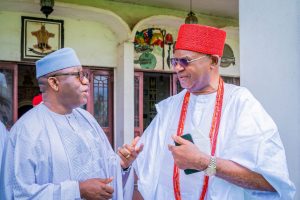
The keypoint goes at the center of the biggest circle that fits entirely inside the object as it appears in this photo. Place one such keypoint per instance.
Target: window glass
(101, 99)
(6, 97)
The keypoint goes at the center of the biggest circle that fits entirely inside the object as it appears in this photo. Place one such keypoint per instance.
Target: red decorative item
(202, 39)
(169, 39)
(37, 100)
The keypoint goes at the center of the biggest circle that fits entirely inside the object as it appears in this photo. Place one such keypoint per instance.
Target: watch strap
(212, 167)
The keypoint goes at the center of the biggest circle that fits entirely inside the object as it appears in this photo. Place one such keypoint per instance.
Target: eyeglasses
(184, 62)
(81, 75)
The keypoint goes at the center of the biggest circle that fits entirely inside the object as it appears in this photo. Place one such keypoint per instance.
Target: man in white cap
(237, 153)
(57, 150)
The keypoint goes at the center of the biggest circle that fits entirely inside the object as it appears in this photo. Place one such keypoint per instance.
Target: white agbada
(3, 136)
(48, 154)
(247, 136)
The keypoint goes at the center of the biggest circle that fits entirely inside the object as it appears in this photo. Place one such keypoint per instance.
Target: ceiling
(224, 8)
(218, 13)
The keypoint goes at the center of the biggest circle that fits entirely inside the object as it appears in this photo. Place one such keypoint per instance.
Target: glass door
(157, 87)
(27, 87)
(100, 104)
(149, 89)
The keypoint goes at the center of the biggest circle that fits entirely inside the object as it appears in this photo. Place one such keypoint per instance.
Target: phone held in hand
(188, 137)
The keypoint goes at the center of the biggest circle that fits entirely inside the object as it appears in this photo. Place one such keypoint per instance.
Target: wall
(95, 43)
(10, 36)
(269, 50)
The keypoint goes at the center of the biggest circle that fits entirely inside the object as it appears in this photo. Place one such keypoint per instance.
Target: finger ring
(128, 156)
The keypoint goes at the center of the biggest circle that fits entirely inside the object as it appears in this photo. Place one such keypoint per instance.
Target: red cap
(202, 39)
(37, 100)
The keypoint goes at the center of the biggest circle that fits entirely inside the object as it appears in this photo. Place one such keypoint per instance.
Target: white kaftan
(48, 154)
(247, 135)
(3, 136)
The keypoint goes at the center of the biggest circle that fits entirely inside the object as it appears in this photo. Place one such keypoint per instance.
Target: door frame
(139, 130)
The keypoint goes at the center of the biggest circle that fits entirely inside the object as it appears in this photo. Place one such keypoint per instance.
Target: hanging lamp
(47, 7)
(191, 17)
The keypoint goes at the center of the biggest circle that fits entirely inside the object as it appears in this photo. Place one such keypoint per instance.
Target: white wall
(95, 43)
(270, 67)
(10, 36)
(124, 96)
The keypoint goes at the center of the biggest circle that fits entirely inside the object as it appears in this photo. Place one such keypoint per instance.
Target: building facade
(128, 61)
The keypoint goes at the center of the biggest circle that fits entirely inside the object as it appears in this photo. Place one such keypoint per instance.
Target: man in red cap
(236, 151)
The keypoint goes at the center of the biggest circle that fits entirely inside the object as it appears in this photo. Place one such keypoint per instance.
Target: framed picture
(40, 37)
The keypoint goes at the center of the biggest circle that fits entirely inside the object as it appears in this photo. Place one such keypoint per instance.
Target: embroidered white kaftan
(48, 154)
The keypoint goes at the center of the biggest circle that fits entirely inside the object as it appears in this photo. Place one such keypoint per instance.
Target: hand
(187, 155)
(128, 153)
(96, 188)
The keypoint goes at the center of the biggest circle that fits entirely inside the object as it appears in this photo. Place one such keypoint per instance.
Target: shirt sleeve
(255, 144)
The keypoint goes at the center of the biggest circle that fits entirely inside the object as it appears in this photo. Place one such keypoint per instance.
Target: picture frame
(40, 36)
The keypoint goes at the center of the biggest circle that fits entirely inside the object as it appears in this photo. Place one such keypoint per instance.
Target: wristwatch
(126, 170)
(211, 170)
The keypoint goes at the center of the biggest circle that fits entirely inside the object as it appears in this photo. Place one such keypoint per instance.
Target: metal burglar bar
(103, 102)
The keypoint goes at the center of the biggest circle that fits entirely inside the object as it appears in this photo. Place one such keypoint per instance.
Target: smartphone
(188, 137)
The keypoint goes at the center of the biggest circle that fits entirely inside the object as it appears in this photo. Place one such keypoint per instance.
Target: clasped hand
(96, 188)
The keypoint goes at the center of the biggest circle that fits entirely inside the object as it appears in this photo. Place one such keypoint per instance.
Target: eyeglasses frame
(80, 74)
(188, 61)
